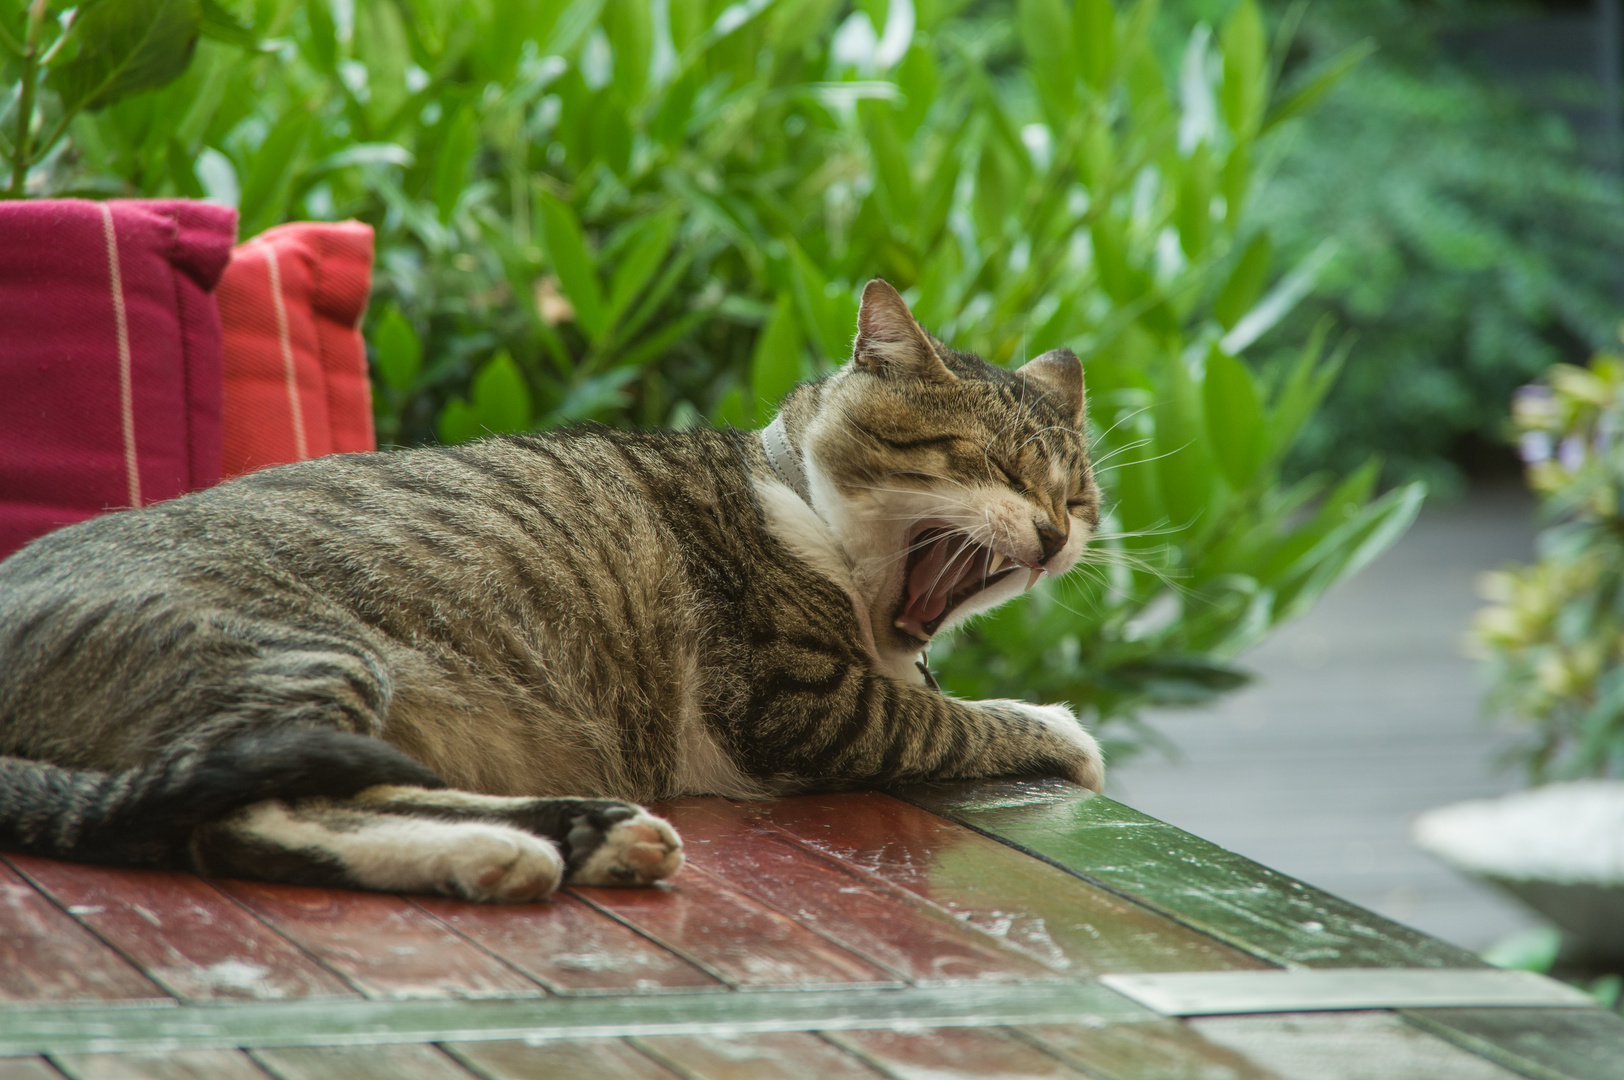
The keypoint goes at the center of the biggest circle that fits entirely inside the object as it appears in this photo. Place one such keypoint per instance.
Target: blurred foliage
(1471, 242)
(1554, 635)
(660, 213)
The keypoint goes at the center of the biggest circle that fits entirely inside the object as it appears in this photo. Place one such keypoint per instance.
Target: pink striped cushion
(109, 357)
(295, 366)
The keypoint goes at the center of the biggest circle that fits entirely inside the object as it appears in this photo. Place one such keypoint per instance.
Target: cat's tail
(146, 816)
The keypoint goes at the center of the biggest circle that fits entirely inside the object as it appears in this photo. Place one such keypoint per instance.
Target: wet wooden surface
(859, 935)
(183, 933)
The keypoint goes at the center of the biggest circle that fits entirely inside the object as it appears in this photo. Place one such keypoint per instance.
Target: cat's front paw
(622, 845)
(1085, 763)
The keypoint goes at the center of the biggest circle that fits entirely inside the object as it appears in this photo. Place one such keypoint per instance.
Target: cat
(402, 671)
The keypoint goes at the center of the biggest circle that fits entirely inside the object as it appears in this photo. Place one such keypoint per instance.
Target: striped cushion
(295, 367)
(109, 357)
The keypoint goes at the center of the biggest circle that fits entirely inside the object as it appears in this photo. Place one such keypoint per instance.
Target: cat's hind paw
(495, 863)
(622, 845)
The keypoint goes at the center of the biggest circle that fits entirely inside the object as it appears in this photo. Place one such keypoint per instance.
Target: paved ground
(1365, 715)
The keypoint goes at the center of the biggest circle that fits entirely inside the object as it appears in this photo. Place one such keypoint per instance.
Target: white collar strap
(781, 456)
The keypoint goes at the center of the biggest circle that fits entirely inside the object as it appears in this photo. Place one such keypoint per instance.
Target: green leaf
(890, 158)
(1304, 388)
(592, 397)
(270, 172)
(452, 159)
(1245, 282)
(630, 28)
(828, 312)
(1184, 466)
(1307, 95)
(640, 263)
(1093, 30)
(1280, 300)
(574, 264)
(501, 397)
(731, 410)
(457, 423)
(775, 364)
(1193, 214)
(1245, 50)
(125, 47)
(221, 25)
(399, 352)
(1046, 34)
(1234, 419)
(321, 45)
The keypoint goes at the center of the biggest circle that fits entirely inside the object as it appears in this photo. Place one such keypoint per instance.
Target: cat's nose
(1051, 539)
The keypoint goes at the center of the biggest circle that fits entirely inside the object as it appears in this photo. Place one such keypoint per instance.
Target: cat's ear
(1059, 374)
(890, 342)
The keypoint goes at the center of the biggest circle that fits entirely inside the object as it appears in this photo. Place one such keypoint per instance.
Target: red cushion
(109, 357)
(295, 367)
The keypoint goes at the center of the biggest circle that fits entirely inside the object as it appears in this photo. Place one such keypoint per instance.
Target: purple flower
(1570, 452)
(1535, 447)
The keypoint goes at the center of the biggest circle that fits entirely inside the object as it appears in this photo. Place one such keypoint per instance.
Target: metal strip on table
(1212, 993)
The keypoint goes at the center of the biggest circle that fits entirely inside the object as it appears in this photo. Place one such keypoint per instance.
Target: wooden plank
(1068, 925)
(780, 1056)
(1152, 1050)
(1197, 882)
(46, 956)
(1346, 1046)
(954, 1053)
(182, 932)
(383, 945)
(38, 1029)
(27, 1069)
(175, 1065)
(401, 1061)
(1553, 1044)
(565, 1059)
(740, 940)
(914, 940)
(571, 947)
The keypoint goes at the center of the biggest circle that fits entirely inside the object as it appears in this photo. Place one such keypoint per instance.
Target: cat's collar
(782, 459)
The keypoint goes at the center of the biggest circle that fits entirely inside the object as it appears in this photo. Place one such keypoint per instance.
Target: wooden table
(1018, 928)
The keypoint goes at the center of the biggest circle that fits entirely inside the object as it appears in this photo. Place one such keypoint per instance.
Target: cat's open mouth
(946, 568)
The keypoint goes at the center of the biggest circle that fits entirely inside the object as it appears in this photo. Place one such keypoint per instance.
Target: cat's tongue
(932, 581)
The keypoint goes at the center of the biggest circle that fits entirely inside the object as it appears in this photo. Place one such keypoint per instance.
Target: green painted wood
(566, 1059)
(1068, 925)
(27, 1030)
(27, 1069)
(1195, 881)
(404, 1061)
(1548, 1044)
(954, 1053)
(784, 1055)
(1166, 1050)
(174, 1065)
(1346, 1046)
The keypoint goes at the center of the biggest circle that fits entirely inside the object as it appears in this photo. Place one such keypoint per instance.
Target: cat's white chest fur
(798, 527)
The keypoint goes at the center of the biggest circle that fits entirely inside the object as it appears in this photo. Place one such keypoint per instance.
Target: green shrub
(1472, 245)
(1554, 634)
(588, 212)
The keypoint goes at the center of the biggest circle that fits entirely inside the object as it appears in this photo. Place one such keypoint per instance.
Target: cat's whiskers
(1102, 435)
(1136, 444)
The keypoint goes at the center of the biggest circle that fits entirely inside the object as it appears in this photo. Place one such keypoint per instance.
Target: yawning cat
(400, 671)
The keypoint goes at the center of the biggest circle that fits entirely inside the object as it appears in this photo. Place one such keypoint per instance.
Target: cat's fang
(1037, 572)
(995, 561)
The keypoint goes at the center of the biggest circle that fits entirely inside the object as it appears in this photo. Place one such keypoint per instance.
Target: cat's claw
(622, 845)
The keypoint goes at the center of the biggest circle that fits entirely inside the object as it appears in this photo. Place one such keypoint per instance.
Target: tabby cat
(398, 671)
